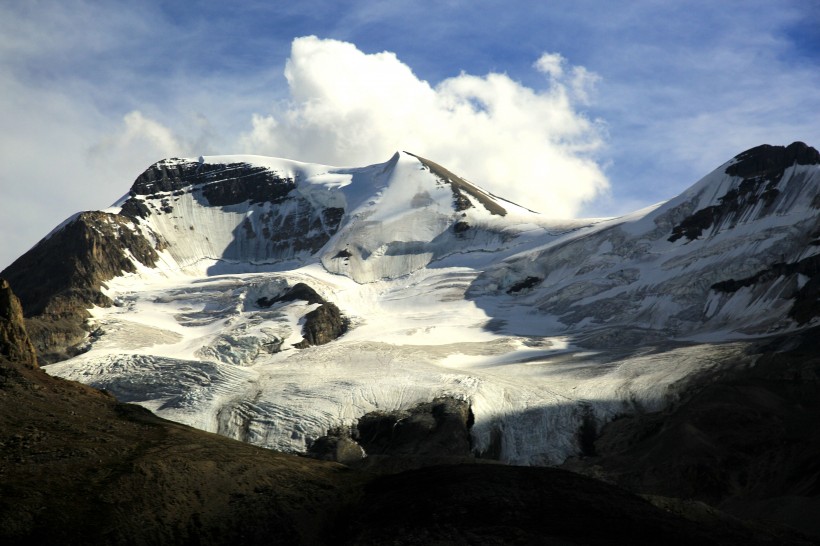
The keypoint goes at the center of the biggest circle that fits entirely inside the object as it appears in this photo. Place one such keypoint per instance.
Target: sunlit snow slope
(546, 327)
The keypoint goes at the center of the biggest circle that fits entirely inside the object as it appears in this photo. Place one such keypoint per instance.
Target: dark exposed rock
(287, 231)
(254, 184)
(265, 302)
(14, 341)
(437, 428)
(60, 278)
(806, 304)
(770, 161)
(524, 284)
(135, 208)
(427, 433)
(247, 227)
(460, 201)
(299, 291)
(761, 169)
(336, 446)
(273, 346)
(731, 206)
(322, 325)
(332, 217)
(496, 504)
(588, 431)
(460, 187)
(221, 185)
(461, 226)
(170, 175)
(344, 253)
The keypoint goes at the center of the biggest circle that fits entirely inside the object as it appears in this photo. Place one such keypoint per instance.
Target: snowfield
(545, 327)
(195, 351)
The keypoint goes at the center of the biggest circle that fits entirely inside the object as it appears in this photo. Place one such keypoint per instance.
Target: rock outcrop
(261, 214)
(337, 445)
(460, 187)
(323, 325)
(15, 345)
(437, 428)
(299, 291)
(221, 184)
(806, 298)
(766, 161)
(427, 433)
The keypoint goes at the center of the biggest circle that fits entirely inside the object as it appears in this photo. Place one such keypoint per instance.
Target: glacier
(545, 326)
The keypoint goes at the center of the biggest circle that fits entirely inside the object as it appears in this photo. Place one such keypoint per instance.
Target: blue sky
(635, 101)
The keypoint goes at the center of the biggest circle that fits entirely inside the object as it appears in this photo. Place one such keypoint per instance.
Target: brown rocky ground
(78, 467)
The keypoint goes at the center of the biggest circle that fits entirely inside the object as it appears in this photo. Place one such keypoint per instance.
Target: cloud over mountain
(347, 106)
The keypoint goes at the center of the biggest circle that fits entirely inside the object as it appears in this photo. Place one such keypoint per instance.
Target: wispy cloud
(685, 86)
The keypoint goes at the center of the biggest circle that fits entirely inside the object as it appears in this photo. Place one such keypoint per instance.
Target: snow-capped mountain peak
(270, 300)
(383, 220)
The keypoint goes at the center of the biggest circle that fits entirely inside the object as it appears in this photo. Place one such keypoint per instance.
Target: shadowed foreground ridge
(744, 440)
(77, 467)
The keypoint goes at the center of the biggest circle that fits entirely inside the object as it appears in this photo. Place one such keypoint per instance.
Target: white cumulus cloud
(528, 145)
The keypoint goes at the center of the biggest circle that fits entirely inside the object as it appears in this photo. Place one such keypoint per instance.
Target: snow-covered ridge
(662, 269)
(544, 326)
(241, 213)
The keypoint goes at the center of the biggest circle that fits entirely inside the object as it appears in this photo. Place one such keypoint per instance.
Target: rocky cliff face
(231, 211)
(61, 277)
(770, 162)
(221, 184)
(15, 345)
